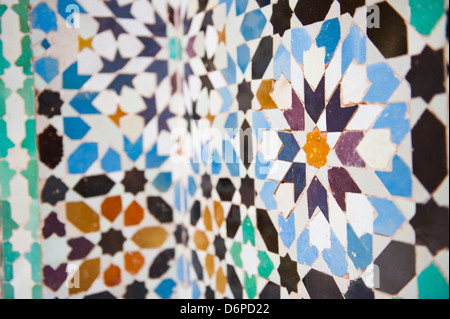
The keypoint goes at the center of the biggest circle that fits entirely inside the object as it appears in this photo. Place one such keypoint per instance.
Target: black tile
(247, 191)
(221, 249)
(271, 291)
(245, 96)
(234, 282)
(427, 74)
(226, 189)
(112, 242)
(134, 181)
(50, 147)
(321, 286)
(350, 6)
(431, 226)
(233, 221)
(160, 209)
(49, 103)
(206, 186)
(196, 213)
(311, 11)
(136, 290)
(289, 277)
(161, 264)
(93, 186)
(106, 295)
(267, 230)
(262, 57)
(281, 17)
(54, 191)
(397, 266)
(359, 290)
(197, 265)
(430, 151)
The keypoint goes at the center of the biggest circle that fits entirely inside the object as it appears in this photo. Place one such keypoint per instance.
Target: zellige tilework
(245, 149)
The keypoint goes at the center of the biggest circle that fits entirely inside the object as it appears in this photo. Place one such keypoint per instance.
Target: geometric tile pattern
(19, 205)
(329, 124)
(224, 149)
(105, 91)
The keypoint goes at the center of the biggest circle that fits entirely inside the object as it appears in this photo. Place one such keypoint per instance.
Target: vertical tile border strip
(21, 258)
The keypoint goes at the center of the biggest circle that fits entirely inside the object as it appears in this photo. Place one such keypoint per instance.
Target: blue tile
(287, 230)
(231, 159)
(354, 47)
(359, 249)
(71, 78)
(230, 72)
(227, 99)
(243, 57)
(83, 158)
(43, 18)
(389, 219)
(133, 150)
(395, 117)
(282, 63)
(229, 3)
(47, 68)
(306, 253)
(262, 167)
(178, 192)
(153, 160)
(231, 125)
(290, 147)
(267, 195)
(75, 128)
(66, 8)
(260, 124)
(336, 257)
(163, 182)
(192, 186)
(45, 44)
(384, 83)
(329, 37)
(216, 163)
(111, 161)
(196, 293)
(82, 103)
(253, 25)
(166, 288)
(301, 42)
(399, 181)
(241, 6)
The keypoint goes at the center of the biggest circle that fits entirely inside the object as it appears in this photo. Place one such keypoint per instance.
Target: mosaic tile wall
(21, 274)
(224, 149)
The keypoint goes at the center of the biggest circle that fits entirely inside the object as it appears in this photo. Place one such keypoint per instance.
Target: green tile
(8, 223)
(248, 231)
(250, 286)
(236, 254)
(432, 285)
(7, 174)
(266, 265)
(425, 14)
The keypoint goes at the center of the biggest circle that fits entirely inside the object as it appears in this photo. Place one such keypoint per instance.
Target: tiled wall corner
(21, 268)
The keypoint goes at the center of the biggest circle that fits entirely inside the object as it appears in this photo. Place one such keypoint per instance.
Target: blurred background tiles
(330, 179)
(21, 268)
(105, 82)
